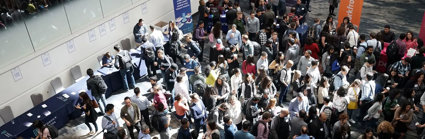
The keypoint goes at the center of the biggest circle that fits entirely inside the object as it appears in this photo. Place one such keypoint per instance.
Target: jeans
(101, 97)
(198, 125)
(127, 73)
(283, 92)
(363, 109)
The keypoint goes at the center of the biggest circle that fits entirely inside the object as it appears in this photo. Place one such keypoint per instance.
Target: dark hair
(212, 124)
(277, 59)
(371, 61)
(184, 121)
(362, 37)
(266, 82)
(372, 35)
(194, 134)
(209, 90)
(367, 131)
(387, 26)
(215, 136)
(326, 99)
(178, 97)
(302, 114)
(126, 98)
(140, 20)
(38, 124)
(90, 72)
(312, 111)
(246, 125)
(136, 90)
(109, 107)
(402, 36)
(322, 81)
(266, 115)
(343, 116)
(160, 107)
(341, 92)
(411, 33)
(121, 133)
(86, 98)
(117, 47)
(369, 77)
(309, 41)
(226, 119)
(217, 30)
(304, 129)
(250, 59)
(379, 97)
(179, 78)
(314, 63)
(268, 7)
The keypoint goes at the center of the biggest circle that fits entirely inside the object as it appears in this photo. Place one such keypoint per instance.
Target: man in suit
(130, 113)
(319, 129)
(199, 112)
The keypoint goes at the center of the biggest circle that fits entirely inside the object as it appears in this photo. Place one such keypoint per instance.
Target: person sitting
(42, 131)
(107, 60)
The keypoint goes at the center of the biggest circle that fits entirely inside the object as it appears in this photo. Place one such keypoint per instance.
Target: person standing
(229, 128)
(352, 36)
(90, 114)
(199, 112)
(263, 130)
(110, 121)
(285, 79)
(98, 87)
(248, 47)
(280, 127)
(305, 62)
(139, 31)
(125, 66)
(239, 22)
(253, 25)
(156, 37)
(143, 103)
(367, 95)
(319, 128)
(234, 37)
(130, 113)
(184, 131)
(244, 133)
(201, 37)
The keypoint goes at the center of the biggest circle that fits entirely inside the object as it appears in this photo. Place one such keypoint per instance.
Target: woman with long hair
(271, 107)
(276, 67)
(385, 130)
(210, 97)
(391, 104)
(223, 67)
(411, 41)
(402, 118)
(330, 24)
(216, 34)
(368, 134)
(248, 66)
(295, 86)
(267, 90)
(323, 91)
(222, 88)
(248, 88)
(262, 73)
(90, 113)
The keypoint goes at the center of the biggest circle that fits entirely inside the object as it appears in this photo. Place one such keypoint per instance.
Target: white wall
(36, 77)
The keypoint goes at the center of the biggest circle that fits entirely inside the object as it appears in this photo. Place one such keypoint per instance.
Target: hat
(219, 41)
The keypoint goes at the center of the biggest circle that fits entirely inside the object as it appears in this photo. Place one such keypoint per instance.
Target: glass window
(48, 26)
(113, 6)
(15, 43)
(82, 13)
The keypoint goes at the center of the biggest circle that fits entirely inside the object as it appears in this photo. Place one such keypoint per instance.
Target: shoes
(352, 121)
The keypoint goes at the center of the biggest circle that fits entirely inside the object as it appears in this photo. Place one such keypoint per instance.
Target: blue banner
(183, 15)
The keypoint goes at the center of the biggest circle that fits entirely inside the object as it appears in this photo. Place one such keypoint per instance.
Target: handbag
(94, 104)
(353, 105)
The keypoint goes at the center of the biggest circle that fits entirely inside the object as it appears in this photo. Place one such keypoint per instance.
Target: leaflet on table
(29, 114)
(44, 106)
(47, 113)
(65, 95)
(28, 124)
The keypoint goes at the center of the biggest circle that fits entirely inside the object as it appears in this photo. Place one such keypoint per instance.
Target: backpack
(109, 135)
(125, 60)
(199, 87)
(335, 67)
(53, 131)
(331, 82)
(174, 48)
(257, 48)
(150, 53)
(156, 122)
(102, 87)
(254, 128)
(334, 115)
(377, 50)
(312, 32)
(245, 108)
(393, 50)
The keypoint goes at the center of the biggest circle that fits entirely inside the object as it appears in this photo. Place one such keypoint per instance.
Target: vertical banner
(351, 9)
(422, 32)
(183, 15)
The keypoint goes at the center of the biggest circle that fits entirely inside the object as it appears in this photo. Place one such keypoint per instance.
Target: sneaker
(352, 121)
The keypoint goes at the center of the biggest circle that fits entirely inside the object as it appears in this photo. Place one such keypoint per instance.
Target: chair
(76, 73)
(99, 59)
(57, 85)
(36, 99)
(6, 114)
(126, 45)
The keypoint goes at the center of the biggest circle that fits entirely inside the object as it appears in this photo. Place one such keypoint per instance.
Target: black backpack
(245, 108)
(150, 53)
(199, 87)
(174, 48)
(156, 122)
(102, 87)
(254, 128)
(53, 131)
(393, 50)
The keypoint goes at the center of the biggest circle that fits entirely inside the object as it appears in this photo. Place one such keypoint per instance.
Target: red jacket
(314, 48)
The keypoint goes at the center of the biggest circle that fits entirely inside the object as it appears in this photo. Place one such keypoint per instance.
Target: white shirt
(364, 70)
(352, 93)
(285, 75)
(368, 90)
(236, 112)
(235, 82)
(315, 76)
(182, 89)
(352, 38)
(157, 38)
(373, 43)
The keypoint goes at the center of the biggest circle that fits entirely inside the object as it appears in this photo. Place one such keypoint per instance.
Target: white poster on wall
(45, 58)
(125, 17)
(112, 24)
(16, 73)
(92, 35)
(102, 30)
(144, 8)
(70, 46)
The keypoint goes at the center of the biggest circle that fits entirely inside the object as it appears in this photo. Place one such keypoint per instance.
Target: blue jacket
(229, 131)
(197, 113)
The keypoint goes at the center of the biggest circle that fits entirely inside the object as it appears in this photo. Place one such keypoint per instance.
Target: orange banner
(351, 9)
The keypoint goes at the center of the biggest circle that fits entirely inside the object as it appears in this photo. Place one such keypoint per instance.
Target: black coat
(317, 130)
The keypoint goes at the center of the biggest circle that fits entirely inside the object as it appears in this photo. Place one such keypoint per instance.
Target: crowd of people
(264, 78)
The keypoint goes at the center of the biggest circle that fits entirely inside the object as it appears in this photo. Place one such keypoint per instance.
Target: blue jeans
(101, 97)
(283, 92)
(127, 73)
